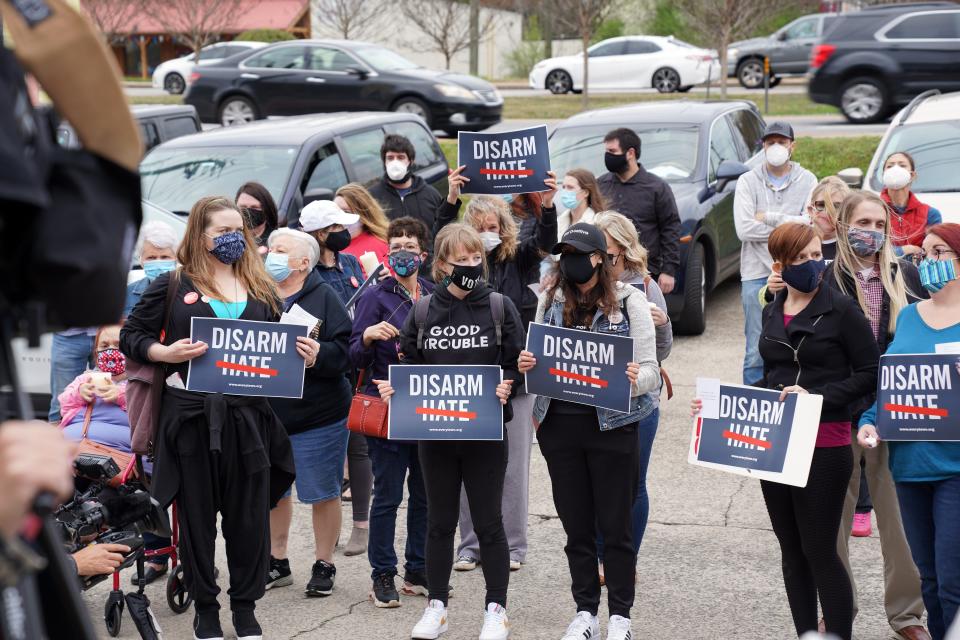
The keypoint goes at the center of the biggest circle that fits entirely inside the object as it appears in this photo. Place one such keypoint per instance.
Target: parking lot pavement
(709, 567)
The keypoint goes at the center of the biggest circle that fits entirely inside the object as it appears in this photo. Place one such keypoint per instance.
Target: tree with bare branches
(116, 19)
(585, 17)
(350, 19)
(724, 21)
(445, 25)
(195, 23)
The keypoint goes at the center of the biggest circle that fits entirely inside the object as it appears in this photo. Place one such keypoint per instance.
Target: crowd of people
(831, 279)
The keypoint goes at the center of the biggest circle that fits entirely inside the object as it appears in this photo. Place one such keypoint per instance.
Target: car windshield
(935, 147)
(669, 151)
(176, 178)
(383, 59)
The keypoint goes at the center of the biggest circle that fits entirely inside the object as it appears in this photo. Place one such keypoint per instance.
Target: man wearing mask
(402, 193)
(647, 200)
(774, 192)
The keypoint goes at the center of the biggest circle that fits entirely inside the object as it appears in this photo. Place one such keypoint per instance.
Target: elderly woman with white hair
(317, 423)
(156, 253)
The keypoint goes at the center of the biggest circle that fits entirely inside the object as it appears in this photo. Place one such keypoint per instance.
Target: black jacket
(828, 349)
(648, 201)
(326, 390)
(479, 347)
(422, 202)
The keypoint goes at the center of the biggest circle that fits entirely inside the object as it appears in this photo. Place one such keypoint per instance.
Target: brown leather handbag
(368, 414)
(89, 446)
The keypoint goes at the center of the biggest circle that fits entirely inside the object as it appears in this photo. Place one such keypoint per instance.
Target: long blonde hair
(482, 206)
(846, 260)
(195, 257)
(623, 231)
(451, 238)
(372, 217)
(827, 187)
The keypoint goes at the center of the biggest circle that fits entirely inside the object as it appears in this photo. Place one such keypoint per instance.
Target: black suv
(875, 60)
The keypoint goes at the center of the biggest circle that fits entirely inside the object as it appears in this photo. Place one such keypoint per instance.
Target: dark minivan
(699, 149)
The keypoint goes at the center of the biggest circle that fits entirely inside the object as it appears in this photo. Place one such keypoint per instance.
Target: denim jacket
(636, 323)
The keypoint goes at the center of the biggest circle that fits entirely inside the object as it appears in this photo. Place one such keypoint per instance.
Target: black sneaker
(279, 574)
(321, 584)
(206, 626)
(384, 592)
(415, 584)
(246, 625)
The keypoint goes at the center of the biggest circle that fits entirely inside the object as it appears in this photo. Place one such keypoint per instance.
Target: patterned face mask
(404, 263)
(935, 274)
(865, 242)
(111, 361)
(229, 247)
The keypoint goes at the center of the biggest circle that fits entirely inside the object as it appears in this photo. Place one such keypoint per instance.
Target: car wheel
(864, 100)
(558, 82)
(750, 73)
(666, 80)
(415, 106)
(685, 89)
(174, 84)
(237, 110)
(693, 319)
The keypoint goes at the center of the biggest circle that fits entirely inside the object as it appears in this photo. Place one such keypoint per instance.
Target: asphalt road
(709, 567)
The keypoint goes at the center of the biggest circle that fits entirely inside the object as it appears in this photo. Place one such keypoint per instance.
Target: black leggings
(480, 467)
(806, 521)
(361, 476)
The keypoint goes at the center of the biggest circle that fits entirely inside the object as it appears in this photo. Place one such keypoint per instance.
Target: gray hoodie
(755, 193)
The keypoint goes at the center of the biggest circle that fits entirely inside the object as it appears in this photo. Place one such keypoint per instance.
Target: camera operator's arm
(34, 458)
(99, 559)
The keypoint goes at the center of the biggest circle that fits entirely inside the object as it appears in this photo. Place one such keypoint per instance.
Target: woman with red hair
(927, 473)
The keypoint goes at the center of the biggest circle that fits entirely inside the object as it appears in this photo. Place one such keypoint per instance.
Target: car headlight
(455, 91)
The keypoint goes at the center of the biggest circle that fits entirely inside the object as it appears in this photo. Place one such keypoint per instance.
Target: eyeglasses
(820, 206)
(935, 256)
(613, 258)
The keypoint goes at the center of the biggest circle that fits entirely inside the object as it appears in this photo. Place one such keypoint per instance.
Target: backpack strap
(496, 309)
(420, 308)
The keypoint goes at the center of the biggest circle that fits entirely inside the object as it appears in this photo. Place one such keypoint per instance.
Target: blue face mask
(805, 276)
(865, 242)
(569, 199)
(935, 274)
(278, 266)
(153, 268)
(507, 197)
(229, 247)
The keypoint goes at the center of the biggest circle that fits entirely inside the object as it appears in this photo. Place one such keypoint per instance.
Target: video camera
(101, 514)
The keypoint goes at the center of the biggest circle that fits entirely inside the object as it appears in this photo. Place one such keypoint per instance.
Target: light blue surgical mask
(569, 199)
(935, 274)
(153, 268)
(278, 266)
(507, 197)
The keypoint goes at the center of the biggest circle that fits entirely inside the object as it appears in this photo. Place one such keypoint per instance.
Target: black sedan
(699, 149)
(314, 76)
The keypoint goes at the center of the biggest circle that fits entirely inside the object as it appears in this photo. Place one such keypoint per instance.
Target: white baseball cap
(321, 214)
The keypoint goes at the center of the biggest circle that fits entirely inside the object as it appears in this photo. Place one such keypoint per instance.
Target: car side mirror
(782, 36)
(357, 71)
(853, 176)
(728, 172)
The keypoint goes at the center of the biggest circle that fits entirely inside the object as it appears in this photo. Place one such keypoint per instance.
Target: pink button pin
(191, 297)
(354, 282)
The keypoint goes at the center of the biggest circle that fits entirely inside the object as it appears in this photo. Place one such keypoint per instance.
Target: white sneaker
(495, 623)
(618, 628)
(583, 627)
(465, 563)
(515, 565)
(433, 622)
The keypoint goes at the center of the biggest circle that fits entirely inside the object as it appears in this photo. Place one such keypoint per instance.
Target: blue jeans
(931, 520)
(391, 461)
(752, 324)
(69, 357)
(646, 432)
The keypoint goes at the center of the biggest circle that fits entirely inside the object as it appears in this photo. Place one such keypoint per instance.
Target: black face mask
(255, 216)
(337, 240)
(615, 163)
(577, 267)
(467, 278)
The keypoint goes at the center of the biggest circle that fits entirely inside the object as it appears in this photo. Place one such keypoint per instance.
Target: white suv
(929, 130)
(172, 75)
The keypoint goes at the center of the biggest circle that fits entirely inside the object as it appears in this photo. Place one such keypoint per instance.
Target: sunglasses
(820, 206)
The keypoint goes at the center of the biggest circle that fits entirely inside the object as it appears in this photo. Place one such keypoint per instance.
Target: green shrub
(610, 28)
(529, 52)
(668, 20)
(266, 35)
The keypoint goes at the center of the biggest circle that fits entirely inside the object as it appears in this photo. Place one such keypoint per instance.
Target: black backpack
(422, 305)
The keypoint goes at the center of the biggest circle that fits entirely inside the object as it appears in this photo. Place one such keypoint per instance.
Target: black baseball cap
(778, 129)
(583, 237)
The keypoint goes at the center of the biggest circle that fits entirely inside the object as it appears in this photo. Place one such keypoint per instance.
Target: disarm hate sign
(506, 162)
(757, 435)
(247, 358)
(445, 402)
(918, 397)
(580, 366)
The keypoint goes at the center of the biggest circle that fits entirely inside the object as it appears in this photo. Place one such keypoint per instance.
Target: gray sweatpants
(516, 486)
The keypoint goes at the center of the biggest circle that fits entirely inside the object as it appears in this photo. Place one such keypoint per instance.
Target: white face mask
(396, 169)
(896, 177)
(776, 155)
(490, 240)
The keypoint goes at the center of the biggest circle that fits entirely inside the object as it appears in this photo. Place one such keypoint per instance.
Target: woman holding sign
(462, 326)
(815, 340)
(592, 453)
(215, 452)
(927, 473)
